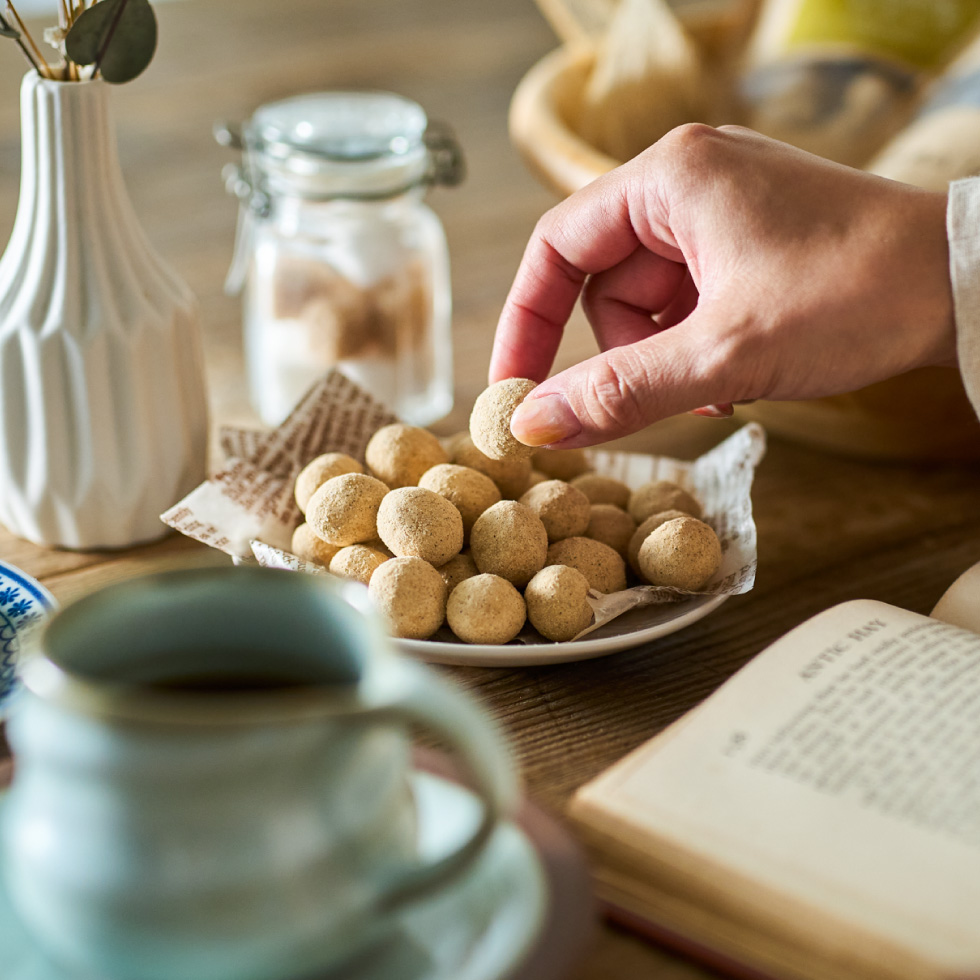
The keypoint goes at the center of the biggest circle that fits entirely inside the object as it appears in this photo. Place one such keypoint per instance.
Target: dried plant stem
(39, 62)
(21, 45)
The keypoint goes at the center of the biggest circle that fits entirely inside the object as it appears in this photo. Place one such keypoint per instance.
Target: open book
(818, 816)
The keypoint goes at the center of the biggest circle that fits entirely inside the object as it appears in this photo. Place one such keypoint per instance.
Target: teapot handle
(422, 697)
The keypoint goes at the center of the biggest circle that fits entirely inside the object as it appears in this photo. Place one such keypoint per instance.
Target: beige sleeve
(963, 231)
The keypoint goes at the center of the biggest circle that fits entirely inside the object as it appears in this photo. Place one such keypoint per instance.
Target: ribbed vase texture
(103, 418)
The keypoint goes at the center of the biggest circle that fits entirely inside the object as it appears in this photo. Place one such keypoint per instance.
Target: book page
(960, 603)
(840, 767)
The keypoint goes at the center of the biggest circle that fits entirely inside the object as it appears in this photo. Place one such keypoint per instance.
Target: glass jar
(344, 265)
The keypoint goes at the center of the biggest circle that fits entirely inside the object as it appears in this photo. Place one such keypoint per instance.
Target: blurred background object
(344, 264)
(891, 85)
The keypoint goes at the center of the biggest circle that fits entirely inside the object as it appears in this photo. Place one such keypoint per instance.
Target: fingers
(590, 232)
(535, 312)
(620, 301)
(627, 388)
(683, 303)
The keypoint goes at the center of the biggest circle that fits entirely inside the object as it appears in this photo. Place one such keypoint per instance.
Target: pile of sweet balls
(484, 533)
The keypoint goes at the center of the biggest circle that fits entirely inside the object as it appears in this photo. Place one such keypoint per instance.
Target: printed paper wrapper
(248, 511)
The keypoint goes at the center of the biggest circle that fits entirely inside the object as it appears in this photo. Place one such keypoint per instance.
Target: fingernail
(545, 420)
(723, 410)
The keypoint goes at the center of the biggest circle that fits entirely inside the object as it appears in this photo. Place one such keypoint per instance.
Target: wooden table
(829, 528)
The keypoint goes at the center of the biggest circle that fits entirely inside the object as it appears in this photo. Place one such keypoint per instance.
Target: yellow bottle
(840, 77)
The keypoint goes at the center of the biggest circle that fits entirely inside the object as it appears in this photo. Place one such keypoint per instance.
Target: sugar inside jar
(344, 264)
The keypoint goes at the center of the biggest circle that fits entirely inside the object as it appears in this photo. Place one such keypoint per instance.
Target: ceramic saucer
(499, 921)
(24, 605)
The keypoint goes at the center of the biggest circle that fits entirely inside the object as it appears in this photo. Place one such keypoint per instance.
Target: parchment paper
(247, 509)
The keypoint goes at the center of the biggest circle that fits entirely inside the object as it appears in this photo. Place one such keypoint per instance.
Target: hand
(721, 266)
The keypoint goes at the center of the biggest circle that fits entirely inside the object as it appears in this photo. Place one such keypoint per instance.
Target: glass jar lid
(345, 144)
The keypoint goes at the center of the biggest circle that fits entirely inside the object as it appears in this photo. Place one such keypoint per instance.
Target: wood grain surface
(830, 528)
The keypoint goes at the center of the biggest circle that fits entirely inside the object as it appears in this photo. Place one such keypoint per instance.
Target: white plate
(629, 630)
(479, 928)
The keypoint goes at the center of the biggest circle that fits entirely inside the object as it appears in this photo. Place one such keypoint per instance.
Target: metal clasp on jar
(238, 178)
(446, 163)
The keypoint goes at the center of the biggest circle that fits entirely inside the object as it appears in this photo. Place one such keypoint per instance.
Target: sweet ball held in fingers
(491, 415)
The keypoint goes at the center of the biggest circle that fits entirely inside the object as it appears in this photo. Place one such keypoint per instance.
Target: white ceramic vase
(103, 415)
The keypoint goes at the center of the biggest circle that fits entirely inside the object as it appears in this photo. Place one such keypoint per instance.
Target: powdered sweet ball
(556, 602)
(603, 567)
(415, 521)
(485, 609)
(684, 553)
(647, 527)
(411, 595)
(610, 525)
(459, 568)
(399, 454)
(490, 419)
(563, 510)
(345, 509)
(659, 495)
(317, 471)
(309, 547)
(469, 491)
(603, 489)
(357, 562)
(512, 476)
(509, 540)
(561, 464)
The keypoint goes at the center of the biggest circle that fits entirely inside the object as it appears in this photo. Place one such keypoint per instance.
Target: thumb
(627, 388)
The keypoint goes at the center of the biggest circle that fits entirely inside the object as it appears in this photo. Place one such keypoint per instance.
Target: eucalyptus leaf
(118, 36)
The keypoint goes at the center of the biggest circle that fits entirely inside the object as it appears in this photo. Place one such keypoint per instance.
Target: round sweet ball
(512, 476)
(557, 602)
(345, 509)
(561, 464)
(683, 552)
(660, 495)
(469, 491)
(317, 471)
(457, 569)
(509, 540)
(309, 547)
(415, 521)
(358, 562)
(538, 477)
(563, 510)
(603, 489)
(640, 535)
(491, 415)
(485, 609)
(603, 568)
(399, 454)
(610, 525)
(449, 443)
(411, 596)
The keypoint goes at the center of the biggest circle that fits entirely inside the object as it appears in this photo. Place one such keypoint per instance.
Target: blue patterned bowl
(24, 605)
